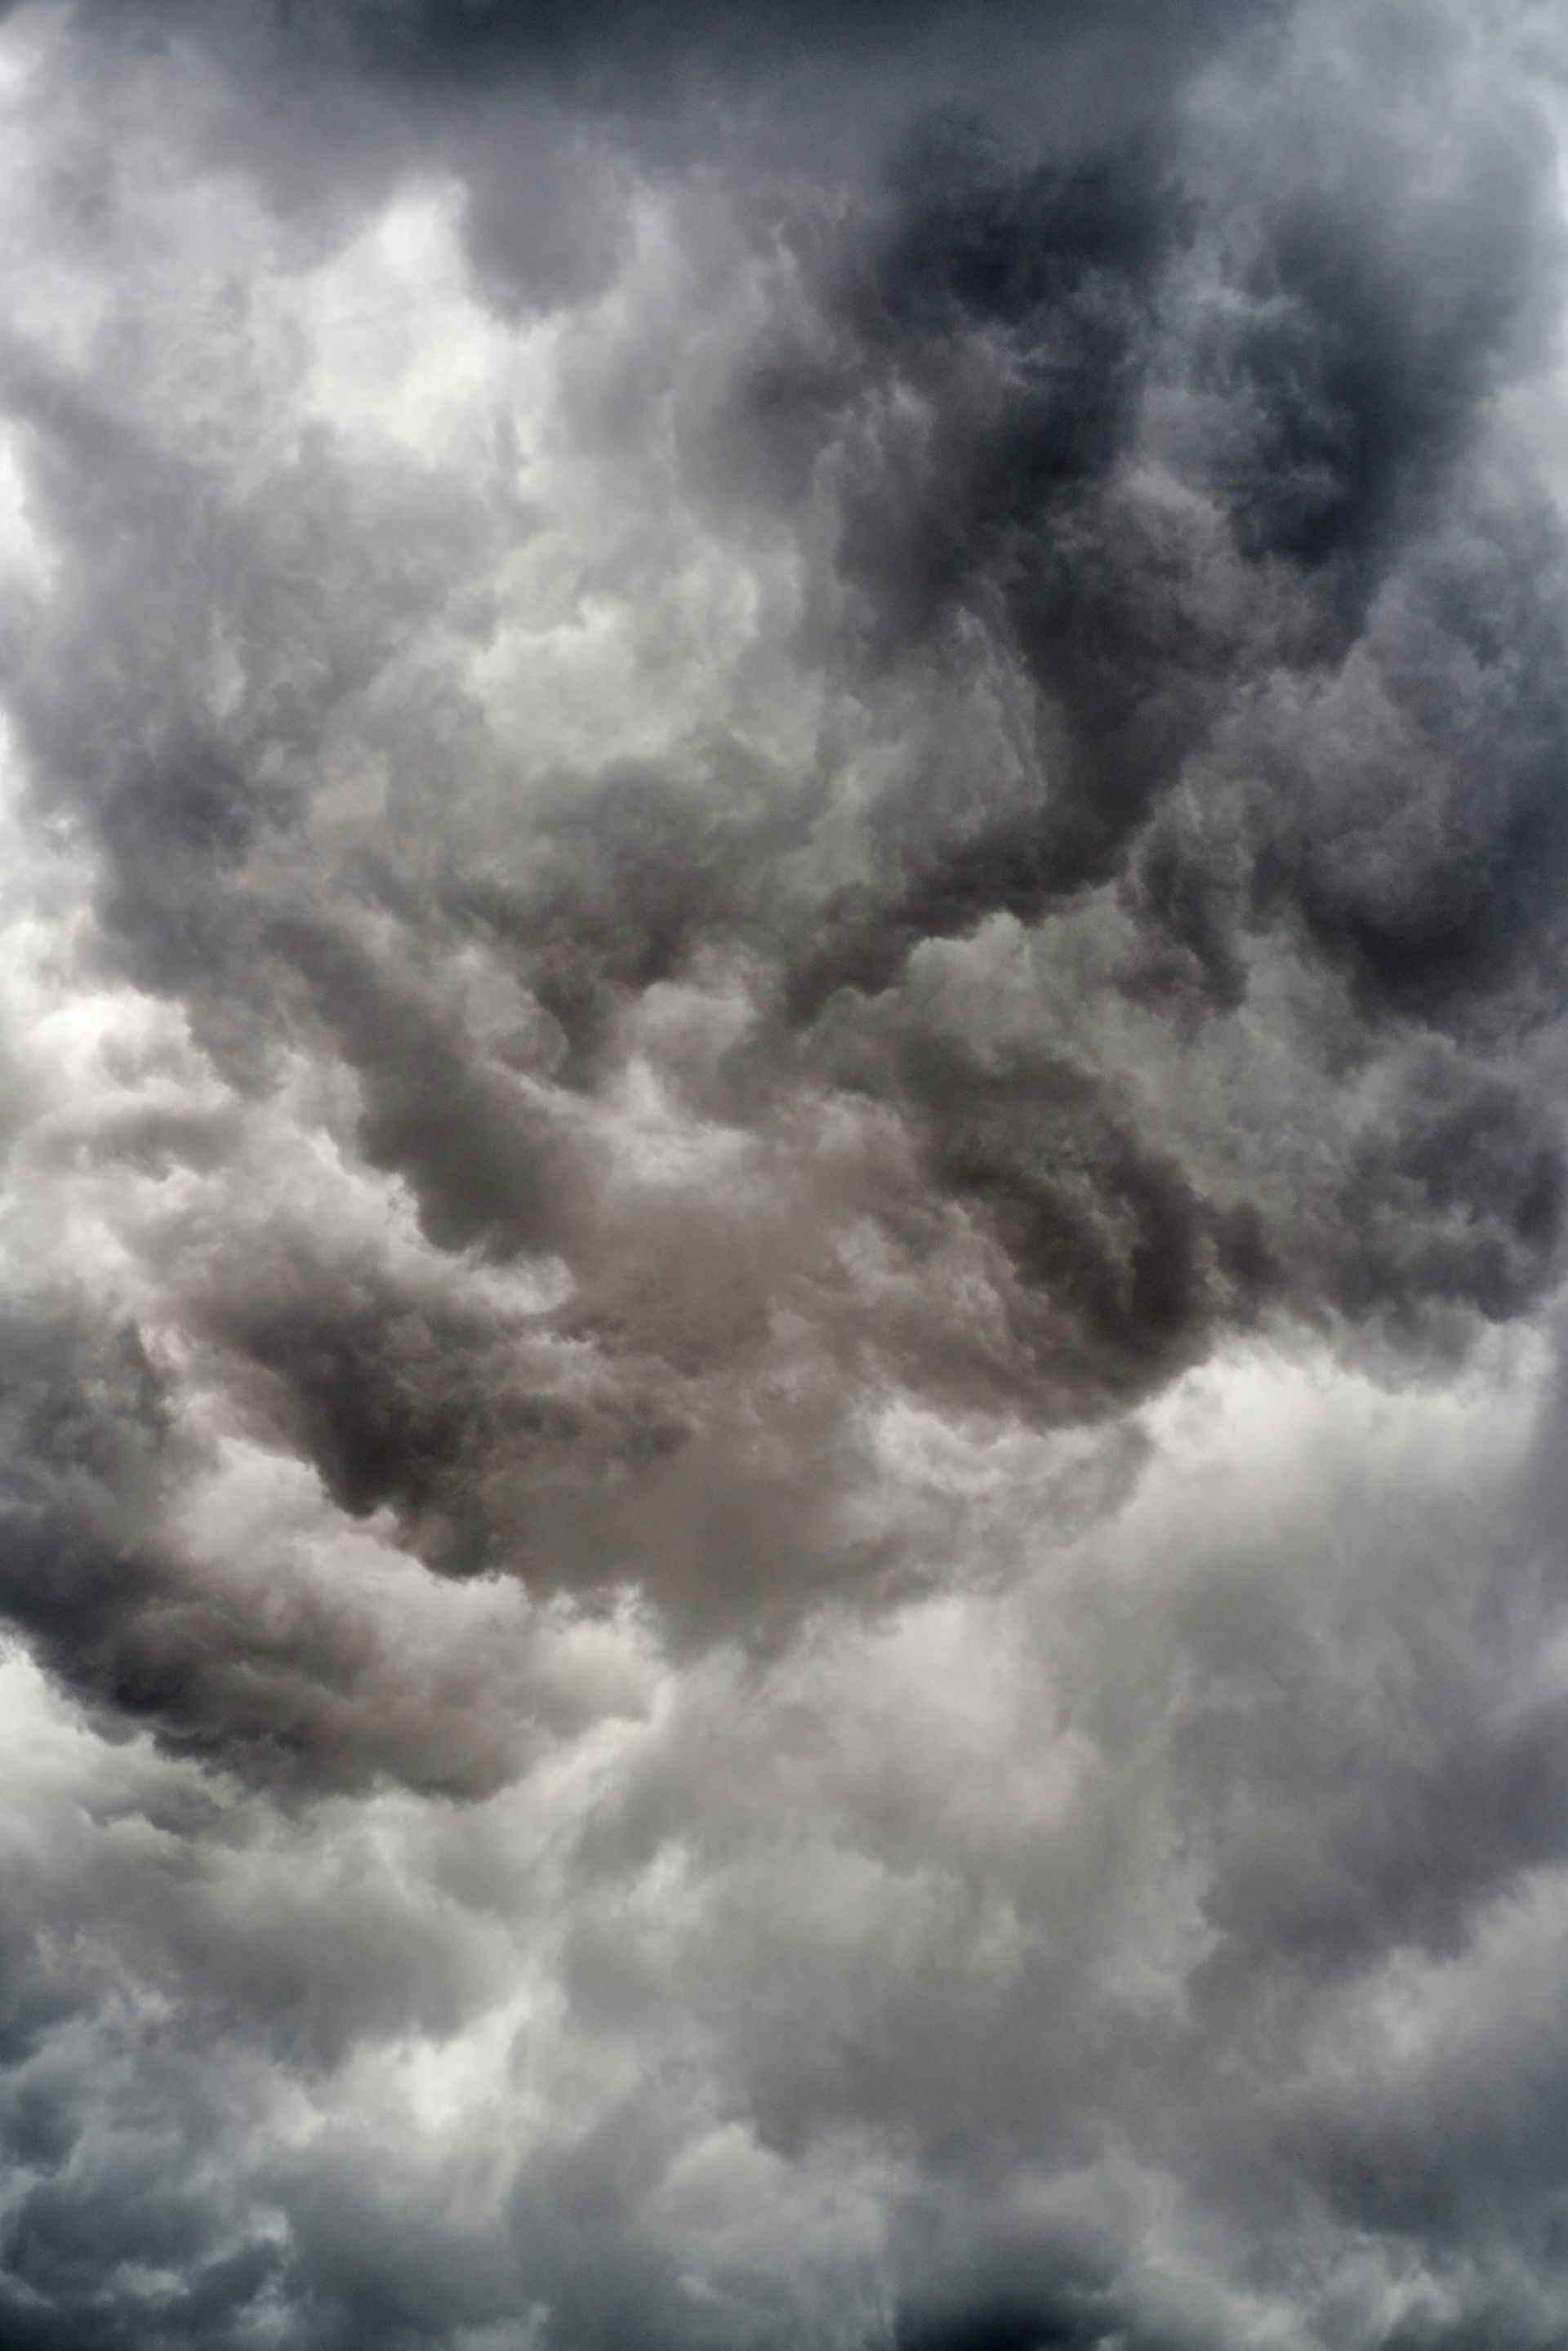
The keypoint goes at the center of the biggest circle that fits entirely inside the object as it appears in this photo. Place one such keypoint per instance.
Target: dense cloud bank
(781, 1030)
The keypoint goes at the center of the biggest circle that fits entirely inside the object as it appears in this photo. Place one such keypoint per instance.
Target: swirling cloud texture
(783, 1040)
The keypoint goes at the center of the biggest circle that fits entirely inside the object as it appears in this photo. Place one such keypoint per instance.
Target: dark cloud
(436, 41)
(781, 1002)
(997, 343)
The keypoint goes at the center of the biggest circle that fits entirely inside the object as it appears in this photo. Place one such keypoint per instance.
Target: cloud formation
(781, 1362)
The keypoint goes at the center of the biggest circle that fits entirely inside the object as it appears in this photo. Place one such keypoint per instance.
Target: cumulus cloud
(783, 1181)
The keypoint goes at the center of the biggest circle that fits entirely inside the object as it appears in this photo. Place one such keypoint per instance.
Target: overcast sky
(783, 1039)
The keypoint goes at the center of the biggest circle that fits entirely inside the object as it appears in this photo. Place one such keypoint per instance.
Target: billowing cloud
(783, 1181)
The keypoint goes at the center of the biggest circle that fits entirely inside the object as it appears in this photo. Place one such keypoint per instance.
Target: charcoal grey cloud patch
(781, 1221)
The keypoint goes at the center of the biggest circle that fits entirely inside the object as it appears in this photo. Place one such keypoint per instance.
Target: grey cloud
(255, 1663)
(785, 1155)
(246, 696)
(1183, 785)
(1128, 1913)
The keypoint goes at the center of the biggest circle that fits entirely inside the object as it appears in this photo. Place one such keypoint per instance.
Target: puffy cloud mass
(782, 1057)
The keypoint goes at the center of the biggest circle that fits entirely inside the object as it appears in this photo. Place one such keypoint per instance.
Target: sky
(783, 1040)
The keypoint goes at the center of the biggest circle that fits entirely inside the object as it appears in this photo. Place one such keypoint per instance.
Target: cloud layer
(781, 1029)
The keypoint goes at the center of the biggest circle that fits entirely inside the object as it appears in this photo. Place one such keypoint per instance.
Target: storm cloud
(781, 1076)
